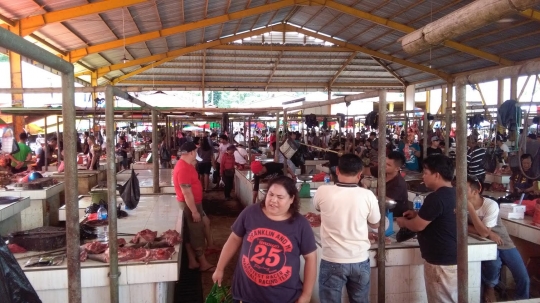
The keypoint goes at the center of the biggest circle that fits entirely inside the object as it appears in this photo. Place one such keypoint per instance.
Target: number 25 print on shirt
(266, 261)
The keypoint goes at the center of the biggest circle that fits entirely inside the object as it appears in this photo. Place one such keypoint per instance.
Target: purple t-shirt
(268, 268)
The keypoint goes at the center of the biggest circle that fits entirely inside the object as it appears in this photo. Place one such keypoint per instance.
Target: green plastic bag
(219, 294)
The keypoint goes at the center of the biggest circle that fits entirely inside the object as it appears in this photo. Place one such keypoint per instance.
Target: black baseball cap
(188, 147)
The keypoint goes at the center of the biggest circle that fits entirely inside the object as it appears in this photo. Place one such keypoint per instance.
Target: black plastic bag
(131, 192)
(14, 286)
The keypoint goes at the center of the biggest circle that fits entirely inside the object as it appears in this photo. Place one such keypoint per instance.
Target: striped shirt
(475, 161)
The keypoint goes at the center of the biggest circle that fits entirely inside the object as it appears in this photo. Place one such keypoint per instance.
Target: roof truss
(78, 54)
(31, 24)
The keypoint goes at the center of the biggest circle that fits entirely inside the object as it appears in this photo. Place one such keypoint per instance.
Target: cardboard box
(511, 215)
(512, 208)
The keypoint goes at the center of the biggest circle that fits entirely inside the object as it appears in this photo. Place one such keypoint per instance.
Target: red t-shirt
(185, 173)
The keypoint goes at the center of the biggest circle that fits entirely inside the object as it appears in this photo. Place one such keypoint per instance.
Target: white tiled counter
(44, 205)
(86, 179)
(523, 229)
(404, 267)
(139, 282)
(10, 215)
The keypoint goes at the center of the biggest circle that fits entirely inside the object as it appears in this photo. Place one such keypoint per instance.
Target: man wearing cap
(264, 171)
(434, 149)
(189, 193)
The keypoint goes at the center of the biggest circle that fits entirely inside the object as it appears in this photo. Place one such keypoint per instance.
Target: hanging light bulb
(124, 60)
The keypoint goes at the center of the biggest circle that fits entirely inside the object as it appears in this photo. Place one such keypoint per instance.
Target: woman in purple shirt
(271, 236)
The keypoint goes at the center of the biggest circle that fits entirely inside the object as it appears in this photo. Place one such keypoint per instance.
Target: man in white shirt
(347, 213)
(240, 155)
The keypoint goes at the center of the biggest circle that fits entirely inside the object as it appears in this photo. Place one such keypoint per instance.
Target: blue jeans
(512, 259)
(355, 276)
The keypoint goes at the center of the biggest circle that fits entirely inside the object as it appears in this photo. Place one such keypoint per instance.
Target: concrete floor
(222, 215)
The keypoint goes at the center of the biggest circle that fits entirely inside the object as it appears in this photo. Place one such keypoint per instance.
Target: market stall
(10, 213)
(140, 281)
(86, 179)
(44, 203)
(404, 265)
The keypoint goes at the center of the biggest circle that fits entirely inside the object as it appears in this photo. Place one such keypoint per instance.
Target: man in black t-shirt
(434, 149)
(264, 171)
(396, 187)
(436, 227)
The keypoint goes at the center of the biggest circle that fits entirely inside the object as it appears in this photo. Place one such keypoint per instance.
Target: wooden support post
(46, 147)
(426, 124)
(15, 69)
(500, 91)
(277, 139)
(513, 88)
(381, 254)
(155, 153)
(448, 117)
(285, 137)
(249, 139)
(461, 193)
(58, 138)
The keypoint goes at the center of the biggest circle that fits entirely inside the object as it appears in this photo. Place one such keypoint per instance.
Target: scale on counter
(305, 187)
(390, 204)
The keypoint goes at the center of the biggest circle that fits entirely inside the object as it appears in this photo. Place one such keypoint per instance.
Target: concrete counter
(44, 205)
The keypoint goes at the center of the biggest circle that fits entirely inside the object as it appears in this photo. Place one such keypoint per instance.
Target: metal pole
(249, 140)
(21, 46)
(46, 147)
(381, 184)
(286, 137)
(58, 138)
(167, 136)
(448, 117)
(277, 139)
(111, 194)
(70, 188)
(425, 131)
(461, 192)
(155, 156)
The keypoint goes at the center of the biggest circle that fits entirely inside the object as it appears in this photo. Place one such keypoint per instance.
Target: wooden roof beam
(370, 52)
(77, 54)
(259, 84)
(388, 69)
(273, 70)
(169, 56)
(407, 29)
(532, 14)
(34, 23)
(341, 69)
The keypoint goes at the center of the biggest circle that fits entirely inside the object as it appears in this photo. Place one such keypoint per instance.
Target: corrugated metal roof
(515, 39)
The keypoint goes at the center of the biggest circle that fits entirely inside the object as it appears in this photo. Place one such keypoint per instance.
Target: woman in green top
(18, 159)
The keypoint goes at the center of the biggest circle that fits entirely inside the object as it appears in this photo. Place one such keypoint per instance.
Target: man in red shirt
(189, 192)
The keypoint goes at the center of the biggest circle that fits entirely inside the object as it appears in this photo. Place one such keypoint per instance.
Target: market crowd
(271, 236)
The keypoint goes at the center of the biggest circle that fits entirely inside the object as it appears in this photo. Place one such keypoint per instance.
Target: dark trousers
(229, 183)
